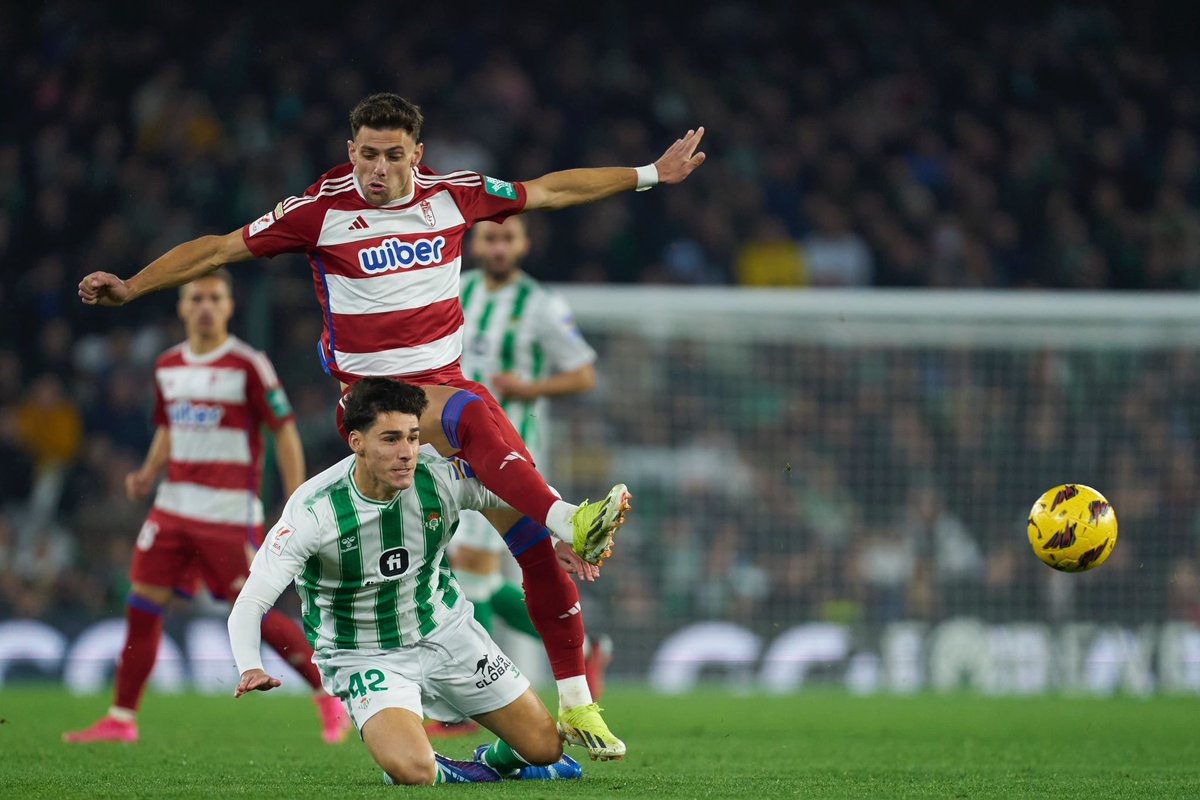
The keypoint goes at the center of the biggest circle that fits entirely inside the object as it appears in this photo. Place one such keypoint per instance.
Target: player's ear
(350, 151)
(356, 442)
(420, 151)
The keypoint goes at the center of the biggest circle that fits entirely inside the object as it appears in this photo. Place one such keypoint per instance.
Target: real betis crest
(499, 188)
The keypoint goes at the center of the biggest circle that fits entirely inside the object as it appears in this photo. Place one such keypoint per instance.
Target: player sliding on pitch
(384, 236)
(364, 542)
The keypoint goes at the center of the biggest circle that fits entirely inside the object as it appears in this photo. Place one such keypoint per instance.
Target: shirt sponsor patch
(277, 399)
(279, 538)
(499, 188)
(262, 223)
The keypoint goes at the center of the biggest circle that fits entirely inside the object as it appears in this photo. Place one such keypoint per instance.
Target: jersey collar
(212, 355)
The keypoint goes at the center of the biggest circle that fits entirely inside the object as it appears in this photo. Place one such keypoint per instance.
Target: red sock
(470, 427)
(284, 637)
(553, 603)
(143, 631)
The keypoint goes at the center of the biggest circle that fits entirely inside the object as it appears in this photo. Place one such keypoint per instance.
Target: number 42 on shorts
(363, 682)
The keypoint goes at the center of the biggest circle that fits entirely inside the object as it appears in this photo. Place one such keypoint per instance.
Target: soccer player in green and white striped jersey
(521, 342)
(364, 543)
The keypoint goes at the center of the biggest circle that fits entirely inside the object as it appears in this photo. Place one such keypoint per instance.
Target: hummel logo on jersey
(513, 456)
(394, 254)
(349, 543)
(359, 224)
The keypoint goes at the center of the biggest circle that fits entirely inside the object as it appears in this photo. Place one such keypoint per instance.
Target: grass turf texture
(816, 744)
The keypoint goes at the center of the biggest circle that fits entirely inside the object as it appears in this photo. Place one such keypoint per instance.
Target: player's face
(383, 162)
(387, 454)
(205, 306)
(499, 247)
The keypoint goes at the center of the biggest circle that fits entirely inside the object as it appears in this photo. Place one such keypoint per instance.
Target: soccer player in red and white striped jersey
(213, 394)
(384, 237)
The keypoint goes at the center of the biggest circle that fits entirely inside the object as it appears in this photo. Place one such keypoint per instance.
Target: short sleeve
(293, 226)
(286, 547)
(490, 199)
(264, 393)
(559, 336)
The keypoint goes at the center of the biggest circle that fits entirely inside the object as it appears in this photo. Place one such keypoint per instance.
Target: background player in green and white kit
(364, 542)
(521, 342)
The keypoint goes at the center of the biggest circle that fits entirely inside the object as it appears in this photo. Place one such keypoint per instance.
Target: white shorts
(475, 531)
(453, 673)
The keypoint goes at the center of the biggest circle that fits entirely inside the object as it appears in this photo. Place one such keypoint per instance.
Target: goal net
(834, 485)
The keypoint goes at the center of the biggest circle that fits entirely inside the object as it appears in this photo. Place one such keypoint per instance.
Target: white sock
(122, 714)
(573, 692)
(558, 520)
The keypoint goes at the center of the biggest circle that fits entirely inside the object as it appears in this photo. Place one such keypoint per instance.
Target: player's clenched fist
(104, 289)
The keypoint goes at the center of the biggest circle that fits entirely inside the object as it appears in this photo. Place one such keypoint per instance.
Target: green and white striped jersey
(525, 328)
(371, 575)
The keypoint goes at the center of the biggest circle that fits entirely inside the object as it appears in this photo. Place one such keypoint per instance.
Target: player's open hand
(138, 485)
(104, 289)
(255, 680)
(508, 385)
(572, 564)
(681, 158)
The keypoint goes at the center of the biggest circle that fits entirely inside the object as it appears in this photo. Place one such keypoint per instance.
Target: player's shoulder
(427, 182)
(447, 471)
(336, 185)
(171, 357)
(252, 359)
(314, 493)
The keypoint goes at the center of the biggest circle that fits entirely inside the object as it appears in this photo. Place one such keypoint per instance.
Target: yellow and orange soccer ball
(1072, 528)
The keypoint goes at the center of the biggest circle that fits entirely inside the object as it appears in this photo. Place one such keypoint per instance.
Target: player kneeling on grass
(394, 637)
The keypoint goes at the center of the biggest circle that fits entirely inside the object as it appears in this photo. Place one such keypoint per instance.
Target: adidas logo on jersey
(359, 224)
(394, 254)
(513, 456)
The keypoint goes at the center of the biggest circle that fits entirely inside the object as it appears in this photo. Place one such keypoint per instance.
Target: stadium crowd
(862, 145)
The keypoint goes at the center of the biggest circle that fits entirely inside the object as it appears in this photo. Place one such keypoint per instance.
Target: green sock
(502, 758)
(508, 602)
(484, 615)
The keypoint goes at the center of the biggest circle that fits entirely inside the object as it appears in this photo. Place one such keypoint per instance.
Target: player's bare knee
(545, 747)
(409, 770)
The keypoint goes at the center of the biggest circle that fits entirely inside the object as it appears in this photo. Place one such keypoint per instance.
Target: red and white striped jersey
(214, 406)
(387, 277)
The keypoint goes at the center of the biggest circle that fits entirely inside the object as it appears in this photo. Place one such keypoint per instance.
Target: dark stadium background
(962, 145)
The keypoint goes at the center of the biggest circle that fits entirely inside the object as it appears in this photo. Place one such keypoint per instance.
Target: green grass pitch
(712, 745)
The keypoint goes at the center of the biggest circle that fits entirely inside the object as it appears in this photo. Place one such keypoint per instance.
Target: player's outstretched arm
(574, 187)
(179, 265)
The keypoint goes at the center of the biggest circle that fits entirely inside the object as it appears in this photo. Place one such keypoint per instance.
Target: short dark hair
(219, 272)
(371, 397)
(386, 111)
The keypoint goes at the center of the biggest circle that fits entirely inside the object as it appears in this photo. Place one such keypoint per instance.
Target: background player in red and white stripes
(213, 394)
(384, 237)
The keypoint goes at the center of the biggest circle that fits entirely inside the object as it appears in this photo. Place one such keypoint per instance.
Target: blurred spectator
(49, 424)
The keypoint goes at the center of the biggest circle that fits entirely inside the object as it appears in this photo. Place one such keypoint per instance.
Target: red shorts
(179, 552)
(452, 376)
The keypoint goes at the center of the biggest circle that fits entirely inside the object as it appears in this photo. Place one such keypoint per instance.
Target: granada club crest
(427, 213)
